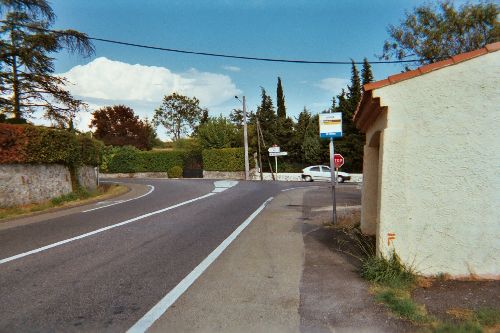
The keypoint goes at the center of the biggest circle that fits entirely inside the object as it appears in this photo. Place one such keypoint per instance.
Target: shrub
(159, 161)
(41, 145)
(13, 143)
(129, 159)
(225, 159)
(175, 172)
(124, 159)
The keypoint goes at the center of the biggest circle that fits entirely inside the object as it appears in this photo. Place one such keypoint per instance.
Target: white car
(322, 172)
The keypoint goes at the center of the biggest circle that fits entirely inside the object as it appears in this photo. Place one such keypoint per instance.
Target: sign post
(275, 151)
(330, 126)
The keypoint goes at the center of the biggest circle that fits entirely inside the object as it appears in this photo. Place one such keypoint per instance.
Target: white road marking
(162, 306)
(296, 188)
(222, 185)
(43, 248)
(152, 188)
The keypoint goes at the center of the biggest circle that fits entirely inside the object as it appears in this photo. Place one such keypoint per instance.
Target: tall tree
(280, 100)
(366, 72)
(431, 33)
(300, 127)
(179, 115)
(118, 126)
(312, 148)
(267, 119)
(26, 67)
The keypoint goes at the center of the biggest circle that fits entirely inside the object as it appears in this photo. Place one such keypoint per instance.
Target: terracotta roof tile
(403, 76)
(377, 84)
(431, 67)
(362, 119)
(493, 47)
(469, 55)
(436, 65)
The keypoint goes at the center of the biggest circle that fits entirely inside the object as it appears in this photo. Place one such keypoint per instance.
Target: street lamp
(245, 137)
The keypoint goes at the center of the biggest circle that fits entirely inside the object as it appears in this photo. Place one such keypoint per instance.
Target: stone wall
(23, 184)
(134, 175)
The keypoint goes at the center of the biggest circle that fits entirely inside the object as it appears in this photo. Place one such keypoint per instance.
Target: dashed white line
(50, 246)
(159, 309)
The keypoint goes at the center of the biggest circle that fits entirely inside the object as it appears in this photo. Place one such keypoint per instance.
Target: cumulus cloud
(333, 85)
(231, 68)
(103, 80)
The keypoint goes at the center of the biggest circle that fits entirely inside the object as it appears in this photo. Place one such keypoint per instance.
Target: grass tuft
(388, 271)
(403, 306)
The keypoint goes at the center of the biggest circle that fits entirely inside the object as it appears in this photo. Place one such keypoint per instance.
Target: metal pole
(276, 162)
(334, 180)
(260, 156)
(245, 139)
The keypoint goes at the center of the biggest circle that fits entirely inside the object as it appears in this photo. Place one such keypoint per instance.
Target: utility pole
(260, 156)
(245, 137)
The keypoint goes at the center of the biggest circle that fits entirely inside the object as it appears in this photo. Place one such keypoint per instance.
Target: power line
(221, 55)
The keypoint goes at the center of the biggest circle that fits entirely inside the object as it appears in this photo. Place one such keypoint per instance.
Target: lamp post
(245, 137)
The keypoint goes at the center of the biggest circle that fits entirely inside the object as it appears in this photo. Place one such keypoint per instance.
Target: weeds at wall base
(78, 195)
(392, 284)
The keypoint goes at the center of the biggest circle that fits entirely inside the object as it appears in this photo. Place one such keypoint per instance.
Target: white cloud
(231, 68)
(104, 82)
(333, 85)
(108, 80)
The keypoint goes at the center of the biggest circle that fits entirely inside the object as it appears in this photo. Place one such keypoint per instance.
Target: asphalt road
(107, 280)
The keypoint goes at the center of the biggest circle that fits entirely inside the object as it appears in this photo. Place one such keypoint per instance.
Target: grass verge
(78, 197)
(392, 284)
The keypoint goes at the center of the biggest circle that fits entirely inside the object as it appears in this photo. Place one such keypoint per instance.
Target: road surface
(104, 266)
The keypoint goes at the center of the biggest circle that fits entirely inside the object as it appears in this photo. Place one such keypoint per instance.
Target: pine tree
(267, 119)
(351, 144)
(280, 100)
(366, 72)
(27, 82)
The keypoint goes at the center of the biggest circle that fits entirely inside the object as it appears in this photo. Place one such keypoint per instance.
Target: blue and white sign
(330, 125)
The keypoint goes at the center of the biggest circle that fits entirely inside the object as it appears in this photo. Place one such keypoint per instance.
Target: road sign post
(275, 151)
(330, 126)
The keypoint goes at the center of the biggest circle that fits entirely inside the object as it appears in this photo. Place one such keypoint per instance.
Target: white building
(431, 170)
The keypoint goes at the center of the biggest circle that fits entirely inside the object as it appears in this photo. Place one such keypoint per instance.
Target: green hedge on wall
(129, 159)
(41, 145)
(225, 159)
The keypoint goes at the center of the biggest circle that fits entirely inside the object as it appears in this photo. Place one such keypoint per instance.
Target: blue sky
(329, 30)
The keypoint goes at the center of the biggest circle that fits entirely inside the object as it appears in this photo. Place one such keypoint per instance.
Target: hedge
(40, 145)
(129, 159)
(225, 159)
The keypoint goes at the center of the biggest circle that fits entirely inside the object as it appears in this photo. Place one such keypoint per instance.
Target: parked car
(322, 173)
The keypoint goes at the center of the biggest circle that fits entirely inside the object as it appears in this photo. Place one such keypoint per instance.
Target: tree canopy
(27, 83)
(179, 115)
(118, 126)
(431, 33)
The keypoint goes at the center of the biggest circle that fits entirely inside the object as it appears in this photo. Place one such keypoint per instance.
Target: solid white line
(296, 188)
(40, 249)
(162, 306)
(152, 188)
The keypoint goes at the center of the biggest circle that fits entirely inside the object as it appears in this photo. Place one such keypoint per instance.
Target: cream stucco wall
(439, 169)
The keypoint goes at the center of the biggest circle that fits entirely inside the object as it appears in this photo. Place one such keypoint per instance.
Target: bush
(128, 159)
(159, 161)
(225, 159)
(175, 172)
(41, 145)
(123, 159)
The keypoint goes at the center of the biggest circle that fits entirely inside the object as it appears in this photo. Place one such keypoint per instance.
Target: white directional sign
(283, 153)
(274, 149)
